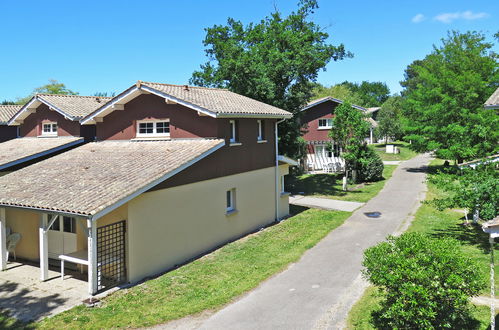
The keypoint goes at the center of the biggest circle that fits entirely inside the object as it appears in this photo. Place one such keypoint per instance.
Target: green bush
(369, 166)
(426, 282)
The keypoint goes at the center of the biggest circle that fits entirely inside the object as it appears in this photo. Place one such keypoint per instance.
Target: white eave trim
(154, 183)
(40, 154)
(11, 122)
(491, 106)
(256, 115)
(89, 119)
(40, 99)
(334, 100)
(287, 160)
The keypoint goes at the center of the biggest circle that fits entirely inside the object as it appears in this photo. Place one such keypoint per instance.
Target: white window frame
(260, 130)
(52, 132)
(324, 151)
(233, 131)
(154, 128)
(230, 197)
(282, 184)
(329, 123)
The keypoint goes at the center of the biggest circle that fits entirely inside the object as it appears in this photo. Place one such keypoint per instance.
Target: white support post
(3, 240)
(44, 254)
(92, 257)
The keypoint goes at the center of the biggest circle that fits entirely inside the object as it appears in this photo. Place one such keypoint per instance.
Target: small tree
(389, 123)
(426, 282)
(53, 87)
(350, 129)
(475, 190)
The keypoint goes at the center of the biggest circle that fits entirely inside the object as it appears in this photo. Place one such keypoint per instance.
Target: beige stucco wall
(284, 198)
(167, 227)
(26, 223)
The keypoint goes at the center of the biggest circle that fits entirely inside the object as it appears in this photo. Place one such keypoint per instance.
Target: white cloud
(466, 15)
(418, 18)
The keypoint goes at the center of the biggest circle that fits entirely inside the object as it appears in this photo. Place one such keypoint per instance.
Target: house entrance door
(62, 237)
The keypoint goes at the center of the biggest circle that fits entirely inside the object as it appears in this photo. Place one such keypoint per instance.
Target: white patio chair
(12, 241)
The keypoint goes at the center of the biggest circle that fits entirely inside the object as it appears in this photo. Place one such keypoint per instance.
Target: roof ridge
(175, 85)
(66, 95)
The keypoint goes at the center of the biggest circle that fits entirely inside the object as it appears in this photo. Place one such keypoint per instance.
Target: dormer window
(153, 128)
(49, 129)
(325, 123)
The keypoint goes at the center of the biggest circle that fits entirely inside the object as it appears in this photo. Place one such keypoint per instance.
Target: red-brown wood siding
(32, 125)
(310, 120)
(184, 122)
(7, 133)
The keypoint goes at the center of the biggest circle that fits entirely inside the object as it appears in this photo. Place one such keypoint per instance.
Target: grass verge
(209, 282)
(405, 152)
(330, 186)
(448, 223)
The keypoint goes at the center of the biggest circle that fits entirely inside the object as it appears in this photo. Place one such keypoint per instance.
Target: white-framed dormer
(153, 128)
(49, 128)
(325, 123)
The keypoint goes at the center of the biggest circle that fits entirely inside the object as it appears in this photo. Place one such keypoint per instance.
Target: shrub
(369, 166)
(426, 282)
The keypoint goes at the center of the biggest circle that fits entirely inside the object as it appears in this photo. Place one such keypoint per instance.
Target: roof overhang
(327, 99)
(140, 89)
(287, 160)
(40, 154)
(491, 106)
(31, 107)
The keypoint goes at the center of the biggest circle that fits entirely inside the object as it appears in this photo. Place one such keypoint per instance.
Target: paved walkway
(392, 162)
(318, 291)
(324, 203)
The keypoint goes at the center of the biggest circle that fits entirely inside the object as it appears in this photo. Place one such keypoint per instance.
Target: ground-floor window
(231, 200)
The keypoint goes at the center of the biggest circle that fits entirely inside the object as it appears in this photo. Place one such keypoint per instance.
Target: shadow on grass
(296, 209)
(324, 184)
(471, 235)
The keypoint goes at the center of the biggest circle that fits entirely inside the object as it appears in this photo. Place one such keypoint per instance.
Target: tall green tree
(350, 129)
(275, 61)
(53, 87)
(371, 94)
(445, 93)
(389, 119)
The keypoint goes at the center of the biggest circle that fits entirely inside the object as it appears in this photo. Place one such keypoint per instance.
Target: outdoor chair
(12, 241)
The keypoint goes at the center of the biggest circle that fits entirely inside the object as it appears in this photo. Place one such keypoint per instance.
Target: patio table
(78, 257)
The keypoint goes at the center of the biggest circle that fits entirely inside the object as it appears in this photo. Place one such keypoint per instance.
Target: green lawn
(209, 282)
(7, 322)
(405, 152)
(474, 243)
(329, 185)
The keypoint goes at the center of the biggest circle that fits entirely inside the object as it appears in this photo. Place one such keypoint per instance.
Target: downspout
(277, 169)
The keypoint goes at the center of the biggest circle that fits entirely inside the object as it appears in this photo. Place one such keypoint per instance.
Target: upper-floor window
(326, 123)
(261, 130)
(153, 128)
(49, 129)
(233, 131)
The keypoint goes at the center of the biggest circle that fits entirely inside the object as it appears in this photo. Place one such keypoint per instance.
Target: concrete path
(391, 162)
(324, 203)
(318, 291)
(485, 301)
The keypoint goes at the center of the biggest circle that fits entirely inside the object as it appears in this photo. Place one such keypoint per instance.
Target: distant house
(47, 125)
(317, 121)
(175, 172)
(6, 113)
(493, 101)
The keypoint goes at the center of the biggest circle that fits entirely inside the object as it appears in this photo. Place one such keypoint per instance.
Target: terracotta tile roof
(7, 112)
(76, 106)
(19, 149)
(219, 101)
(90, 178)
(493, 100)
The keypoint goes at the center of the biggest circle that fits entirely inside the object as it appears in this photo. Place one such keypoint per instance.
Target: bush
(426, 282)
(369, 166)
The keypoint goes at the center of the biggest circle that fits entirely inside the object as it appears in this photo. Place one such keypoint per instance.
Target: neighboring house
(6, 113)
(47, 125)
(317, 121)
(177, 171)
(493, 101)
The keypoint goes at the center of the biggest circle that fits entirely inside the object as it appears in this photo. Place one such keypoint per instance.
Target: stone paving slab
(324, 203)
(26, 298)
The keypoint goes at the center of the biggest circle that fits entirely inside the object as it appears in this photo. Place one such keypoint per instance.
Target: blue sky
(105, 46)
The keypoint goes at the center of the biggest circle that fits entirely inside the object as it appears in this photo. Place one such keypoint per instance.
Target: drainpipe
(277, 169)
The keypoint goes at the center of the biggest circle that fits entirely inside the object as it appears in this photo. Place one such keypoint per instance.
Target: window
(69, 225)
(261, 130)
(282, 184)
(231, 200)
(153, 128)
(49, 129)
(323, 151)
(326, 123)
(233, 131)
